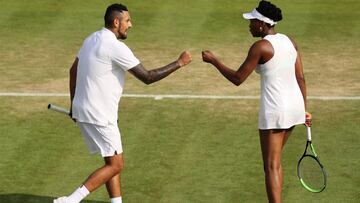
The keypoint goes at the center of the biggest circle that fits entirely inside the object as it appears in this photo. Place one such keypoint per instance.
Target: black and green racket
(311, 172)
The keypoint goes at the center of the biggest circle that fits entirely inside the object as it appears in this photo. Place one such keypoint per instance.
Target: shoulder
(261, 46)
(95, 34)
(261, 43)
(122, 54)
(293, 42)
(90, 37)
(261, 50)
(120, 47)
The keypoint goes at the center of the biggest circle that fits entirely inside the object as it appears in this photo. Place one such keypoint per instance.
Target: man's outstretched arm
(154, 75)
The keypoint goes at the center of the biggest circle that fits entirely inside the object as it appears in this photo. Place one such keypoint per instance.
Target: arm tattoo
(154, 75)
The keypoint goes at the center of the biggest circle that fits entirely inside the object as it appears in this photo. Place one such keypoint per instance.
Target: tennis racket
(58, 109)
(311, 172)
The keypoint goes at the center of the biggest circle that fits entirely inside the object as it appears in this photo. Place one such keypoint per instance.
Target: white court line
(25, 94)
(172, 96)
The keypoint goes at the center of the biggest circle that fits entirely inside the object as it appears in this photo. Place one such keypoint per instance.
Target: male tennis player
(96, 84)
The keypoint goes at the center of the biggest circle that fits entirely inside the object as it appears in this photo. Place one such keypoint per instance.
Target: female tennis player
(283, 92)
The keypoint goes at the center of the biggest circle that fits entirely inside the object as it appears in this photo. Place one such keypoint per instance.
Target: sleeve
(123, 57)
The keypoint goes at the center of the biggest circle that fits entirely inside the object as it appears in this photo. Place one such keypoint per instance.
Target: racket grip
(308, 132)
(58, 109)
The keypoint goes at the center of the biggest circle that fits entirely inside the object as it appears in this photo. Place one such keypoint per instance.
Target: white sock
(116, 200)
(78, 195)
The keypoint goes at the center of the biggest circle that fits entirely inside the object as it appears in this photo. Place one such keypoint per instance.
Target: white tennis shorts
(105, 140)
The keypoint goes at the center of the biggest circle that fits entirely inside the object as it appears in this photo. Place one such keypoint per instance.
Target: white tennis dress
(282, 104)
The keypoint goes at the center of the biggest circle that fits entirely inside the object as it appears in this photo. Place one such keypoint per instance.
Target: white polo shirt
(103, 62)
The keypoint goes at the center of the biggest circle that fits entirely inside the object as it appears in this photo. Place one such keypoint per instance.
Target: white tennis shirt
(281, 104)
(103, 62)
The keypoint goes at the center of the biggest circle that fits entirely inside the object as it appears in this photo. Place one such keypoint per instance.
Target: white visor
(256, 15)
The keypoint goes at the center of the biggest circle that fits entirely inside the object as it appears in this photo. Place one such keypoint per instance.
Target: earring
(261, 29)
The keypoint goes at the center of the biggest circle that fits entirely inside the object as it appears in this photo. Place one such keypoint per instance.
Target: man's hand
(70, 114)
(208, 56)
(184, 58)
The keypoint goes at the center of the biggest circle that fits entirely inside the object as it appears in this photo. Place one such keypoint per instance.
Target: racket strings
(311, 173)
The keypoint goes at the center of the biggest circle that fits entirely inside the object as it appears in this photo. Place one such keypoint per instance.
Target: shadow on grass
(24, 198)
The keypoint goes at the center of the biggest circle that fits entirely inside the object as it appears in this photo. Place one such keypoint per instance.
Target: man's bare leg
(113, 166)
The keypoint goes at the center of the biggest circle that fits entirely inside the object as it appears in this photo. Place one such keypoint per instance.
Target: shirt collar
(109, 32)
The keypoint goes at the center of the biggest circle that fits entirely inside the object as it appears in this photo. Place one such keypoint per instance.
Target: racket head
(311, 173)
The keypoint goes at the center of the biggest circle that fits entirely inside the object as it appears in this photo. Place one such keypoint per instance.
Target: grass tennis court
(209, 150)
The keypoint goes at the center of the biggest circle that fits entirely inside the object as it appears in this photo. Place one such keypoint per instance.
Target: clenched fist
(208, 56)
(184, 58)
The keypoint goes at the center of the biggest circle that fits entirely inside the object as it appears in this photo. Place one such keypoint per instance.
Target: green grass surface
(175, 150)
(40, 39)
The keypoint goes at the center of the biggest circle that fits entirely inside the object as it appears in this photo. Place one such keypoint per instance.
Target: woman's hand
(208, 56)
(308, 118)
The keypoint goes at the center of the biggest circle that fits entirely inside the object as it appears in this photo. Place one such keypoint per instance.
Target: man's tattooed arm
(151, 76)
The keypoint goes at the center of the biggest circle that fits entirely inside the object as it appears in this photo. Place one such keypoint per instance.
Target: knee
(116, 165)
(271, 166)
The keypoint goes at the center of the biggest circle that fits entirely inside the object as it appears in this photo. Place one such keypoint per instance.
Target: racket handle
(58, 109)
(308, 132)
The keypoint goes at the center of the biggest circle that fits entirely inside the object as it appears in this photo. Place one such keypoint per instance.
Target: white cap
(256, 15)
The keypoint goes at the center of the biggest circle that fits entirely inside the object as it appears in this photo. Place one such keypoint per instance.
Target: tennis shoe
(60, 200)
